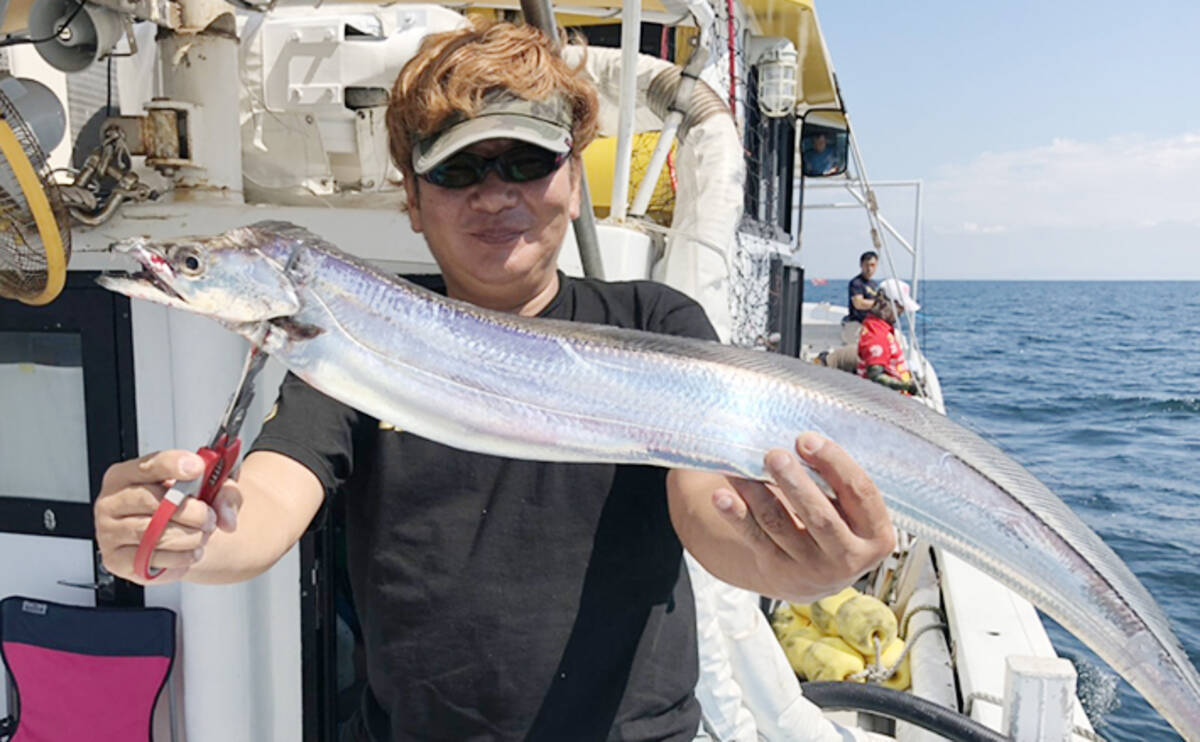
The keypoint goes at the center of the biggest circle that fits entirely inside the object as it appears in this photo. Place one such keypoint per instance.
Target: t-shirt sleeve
(315, 430)
(675, 313)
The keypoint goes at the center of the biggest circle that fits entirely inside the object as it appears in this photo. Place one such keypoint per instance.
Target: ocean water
(1094, 387)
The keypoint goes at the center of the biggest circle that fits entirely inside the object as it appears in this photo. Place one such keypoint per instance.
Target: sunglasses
(517, 165)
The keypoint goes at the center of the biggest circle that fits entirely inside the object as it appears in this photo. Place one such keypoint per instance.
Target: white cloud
(1127, 181)
(973, 228)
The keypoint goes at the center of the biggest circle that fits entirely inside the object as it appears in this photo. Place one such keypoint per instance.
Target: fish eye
(188, 262)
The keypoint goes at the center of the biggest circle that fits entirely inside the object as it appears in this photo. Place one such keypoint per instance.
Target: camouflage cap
(546, 123)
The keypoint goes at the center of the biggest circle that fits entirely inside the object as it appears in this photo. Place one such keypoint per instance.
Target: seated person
(879, 356)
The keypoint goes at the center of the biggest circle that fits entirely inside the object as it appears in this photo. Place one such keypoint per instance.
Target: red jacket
(877, 346)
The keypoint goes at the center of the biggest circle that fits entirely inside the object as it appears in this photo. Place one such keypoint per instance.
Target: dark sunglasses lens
(524, 164)
(518, 165)
(458, 171)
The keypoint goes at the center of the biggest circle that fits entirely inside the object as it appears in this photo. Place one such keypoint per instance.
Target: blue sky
(1054, 140)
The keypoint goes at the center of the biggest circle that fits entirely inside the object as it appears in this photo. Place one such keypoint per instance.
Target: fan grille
(31, 266)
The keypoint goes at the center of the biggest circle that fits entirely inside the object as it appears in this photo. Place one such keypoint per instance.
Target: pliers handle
(220, 456)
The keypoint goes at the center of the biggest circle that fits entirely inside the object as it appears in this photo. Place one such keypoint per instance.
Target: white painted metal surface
(989, 623)
(238, 668)
(1039, 696)
(190, 65)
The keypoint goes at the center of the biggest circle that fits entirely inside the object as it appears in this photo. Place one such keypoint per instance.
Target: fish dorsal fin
(868, 398)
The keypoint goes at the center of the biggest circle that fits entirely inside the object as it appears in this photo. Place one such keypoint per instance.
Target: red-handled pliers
(219, 456)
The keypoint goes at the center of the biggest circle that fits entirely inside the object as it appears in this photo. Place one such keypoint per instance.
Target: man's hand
(128, 497)
(788, 540)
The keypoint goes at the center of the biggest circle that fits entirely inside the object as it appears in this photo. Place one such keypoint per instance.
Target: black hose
(902, 706)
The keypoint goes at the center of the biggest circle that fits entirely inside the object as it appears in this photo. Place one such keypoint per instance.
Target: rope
(876, 672)
(914, 610)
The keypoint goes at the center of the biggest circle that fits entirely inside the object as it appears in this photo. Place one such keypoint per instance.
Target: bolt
(308, 119)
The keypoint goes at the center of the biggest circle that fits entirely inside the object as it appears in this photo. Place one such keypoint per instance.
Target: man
(861, 298)
(822, 159)
(861, 292)
(880, 358)
(504, 599)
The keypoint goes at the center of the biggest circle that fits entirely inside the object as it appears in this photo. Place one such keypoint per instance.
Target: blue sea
(1094, 387)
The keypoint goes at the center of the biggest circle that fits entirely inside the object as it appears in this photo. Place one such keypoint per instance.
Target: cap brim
(429, 153)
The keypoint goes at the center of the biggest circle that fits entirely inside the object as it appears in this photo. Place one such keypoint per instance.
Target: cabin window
(66, 392)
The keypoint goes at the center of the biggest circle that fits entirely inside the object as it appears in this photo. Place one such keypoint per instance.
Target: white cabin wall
(237, 673)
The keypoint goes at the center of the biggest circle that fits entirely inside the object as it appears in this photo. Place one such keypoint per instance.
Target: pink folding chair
(84, 673)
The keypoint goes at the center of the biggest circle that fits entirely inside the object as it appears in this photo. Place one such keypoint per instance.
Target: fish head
(229, 279)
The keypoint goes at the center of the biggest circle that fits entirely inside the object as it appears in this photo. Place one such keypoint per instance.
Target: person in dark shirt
(860, 299)
(504, 599)
(861, 296)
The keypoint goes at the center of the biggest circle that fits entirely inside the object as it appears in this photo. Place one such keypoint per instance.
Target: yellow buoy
(862, 620)
(802, 609)
(824, 611)
(830, 658)
(784, 619)
(795, 643)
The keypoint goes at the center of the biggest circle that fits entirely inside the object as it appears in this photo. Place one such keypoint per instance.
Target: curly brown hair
(453, 71)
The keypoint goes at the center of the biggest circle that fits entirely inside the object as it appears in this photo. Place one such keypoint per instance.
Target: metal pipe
(917, 242)
(631, 34)
(883, 222)
(540, 13)
(681, 103)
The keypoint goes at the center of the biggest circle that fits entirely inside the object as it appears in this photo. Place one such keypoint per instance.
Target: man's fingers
(814, 509)
(141, 502)
(152, 469)
(120, 561)
(768, 521)
(177, 538)
(858, 497)
(226, 504)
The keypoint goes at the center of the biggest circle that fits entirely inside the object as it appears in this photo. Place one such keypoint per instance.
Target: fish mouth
(145, 278)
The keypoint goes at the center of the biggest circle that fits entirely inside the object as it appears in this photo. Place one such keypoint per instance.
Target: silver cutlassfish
(561, 391)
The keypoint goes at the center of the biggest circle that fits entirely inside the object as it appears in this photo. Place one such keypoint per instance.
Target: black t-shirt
(864, 287)
(507, 599)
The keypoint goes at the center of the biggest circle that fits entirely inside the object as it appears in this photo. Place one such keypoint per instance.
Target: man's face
(820, 143)
(496, 242)
(868, 267)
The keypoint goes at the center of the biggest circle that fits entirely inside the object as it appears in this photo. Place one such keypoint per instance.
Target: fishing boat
(195, 116)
